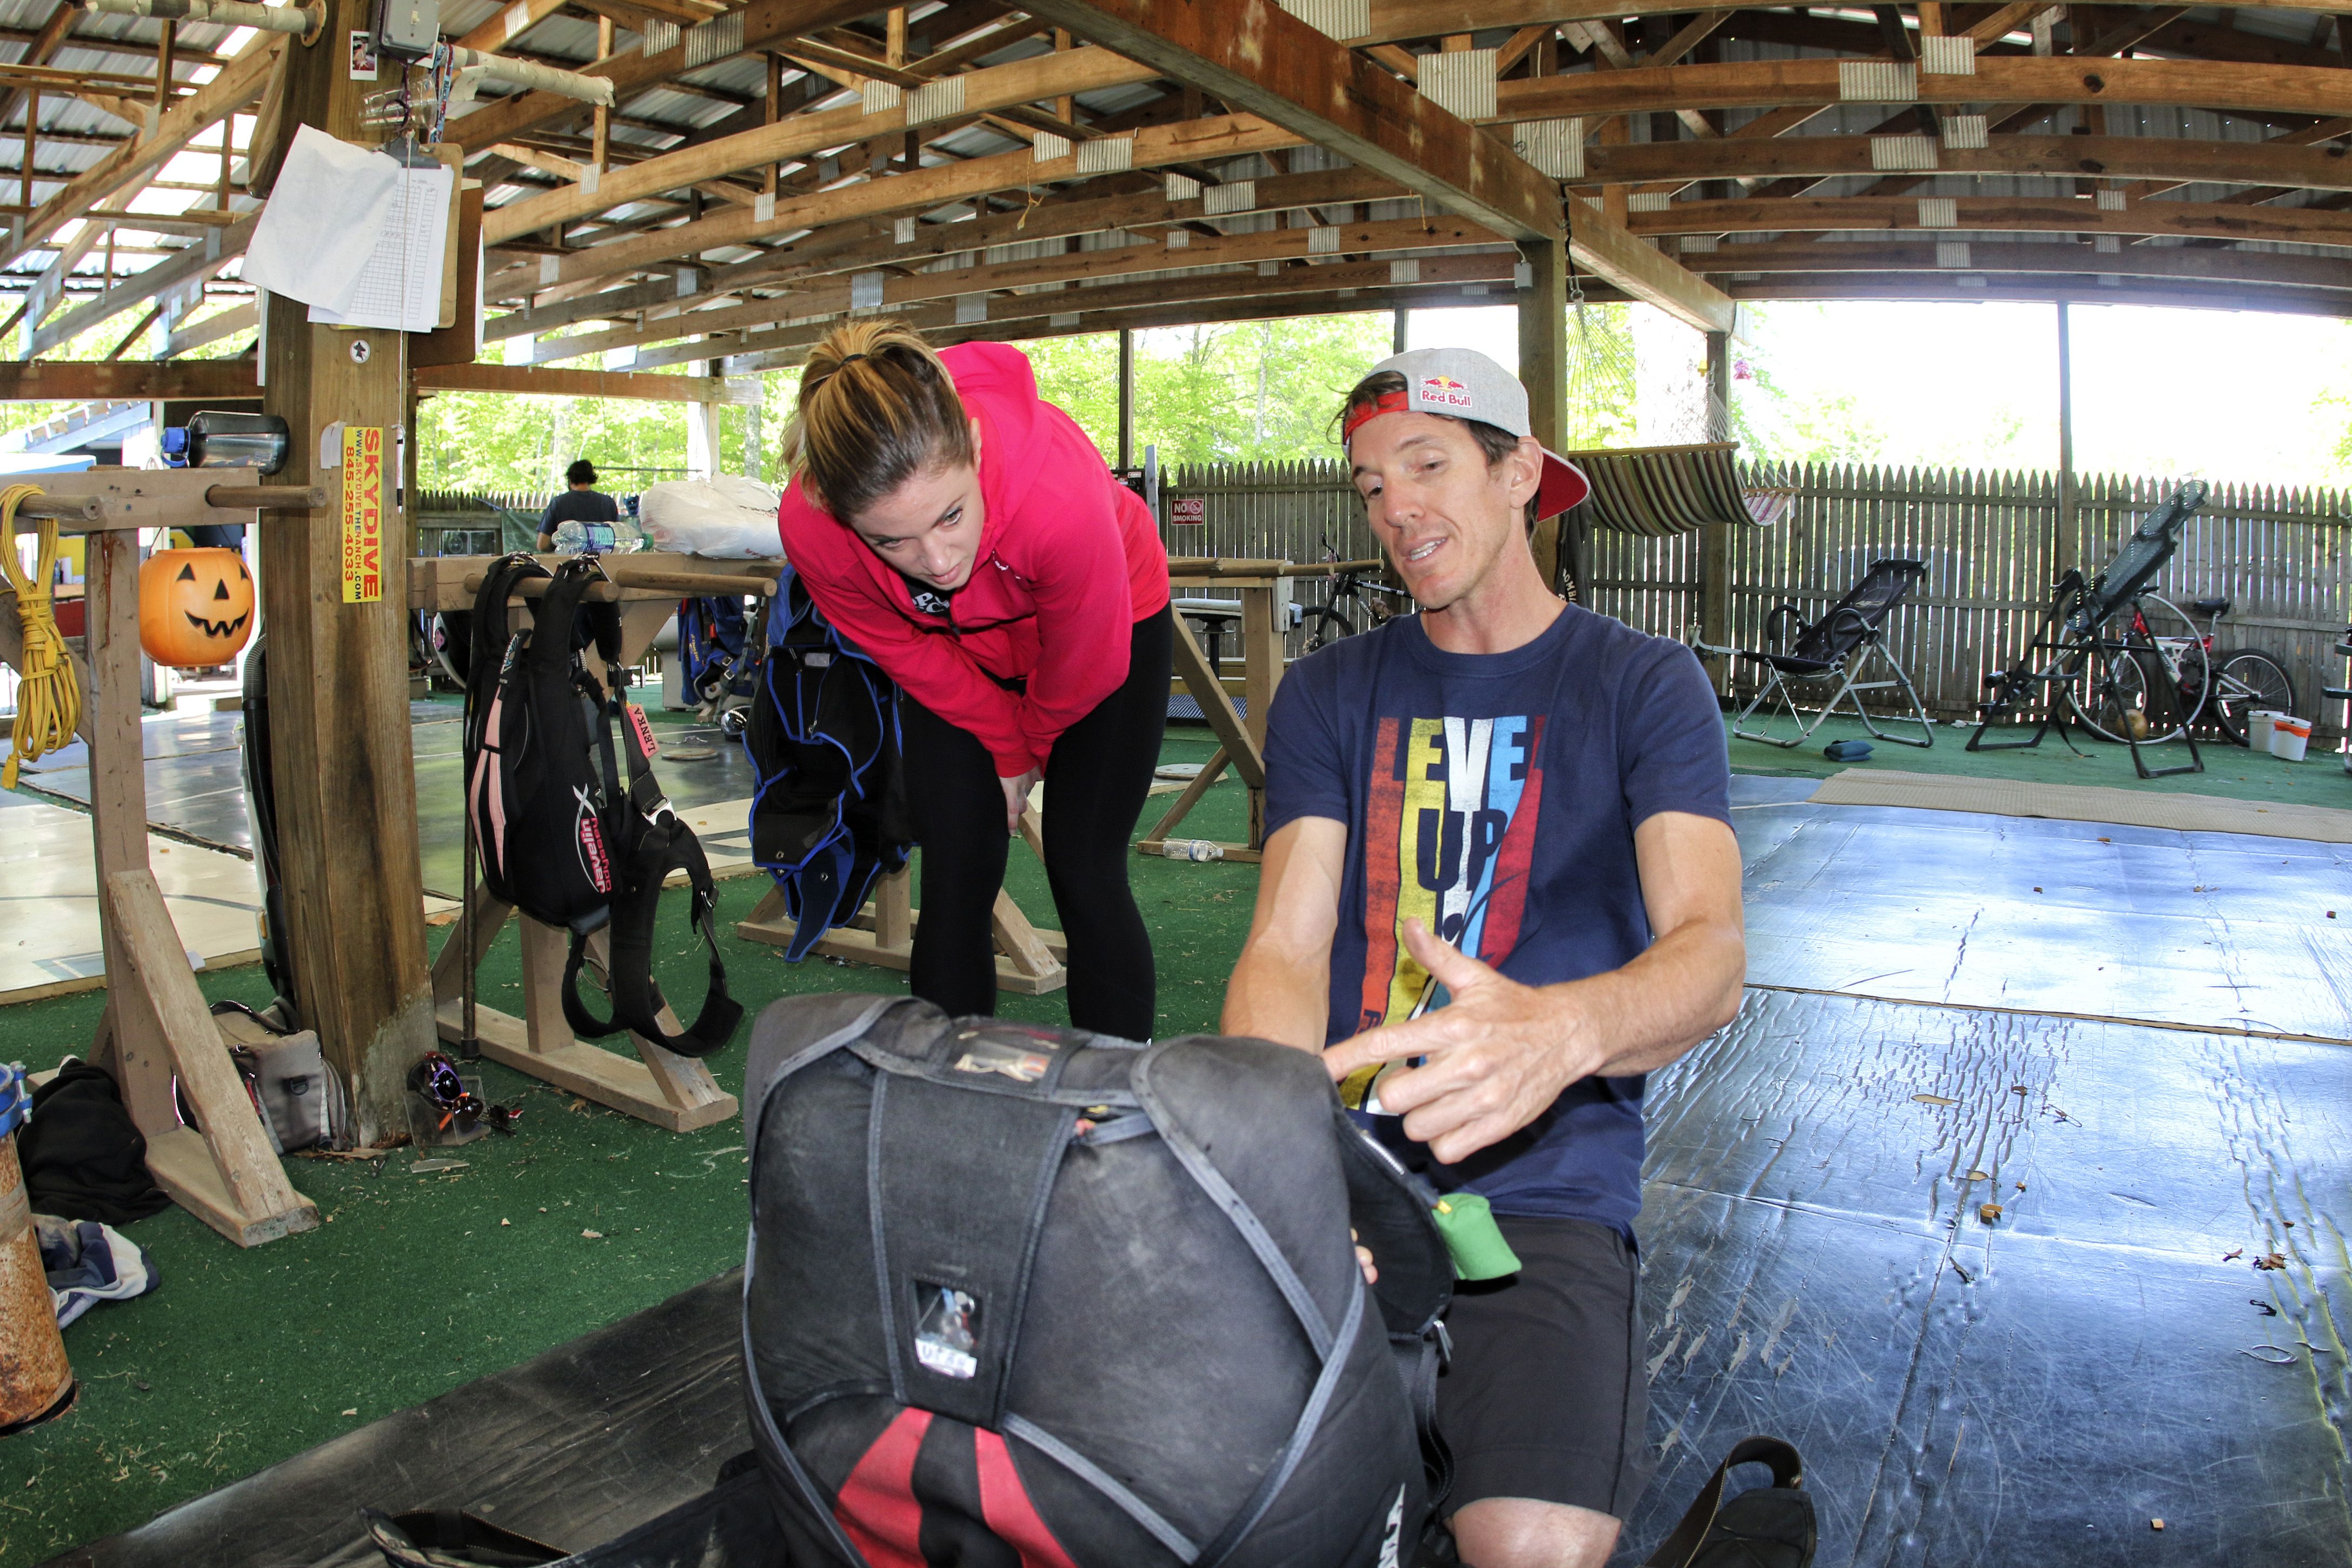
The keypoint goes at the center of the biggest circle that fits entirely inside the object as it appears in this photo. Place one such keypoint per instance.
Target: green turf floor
(2230, 770)
(415, 1284)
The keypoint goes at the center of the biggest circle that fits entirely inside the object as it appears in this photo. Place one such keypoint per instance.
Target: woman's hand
(1016, 796)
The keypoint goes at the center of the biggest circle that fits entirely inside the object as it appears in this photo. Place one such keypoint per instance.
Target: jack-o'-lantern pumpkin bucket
(196, 607)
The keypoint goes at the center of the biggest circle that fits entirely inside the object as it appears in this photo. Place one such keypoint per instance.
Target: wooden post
(770, 107)
(346, 785)
(166, 45)
(1715, 537)
(131, 1043)
(600, 135)
(1126, 397)
(32, 127)
(2067, 546)
(1543, 370)
(1397, 332)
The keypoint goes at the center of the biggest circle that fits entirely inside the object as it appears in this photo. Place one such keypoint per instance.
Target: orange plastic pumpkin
(196, 607)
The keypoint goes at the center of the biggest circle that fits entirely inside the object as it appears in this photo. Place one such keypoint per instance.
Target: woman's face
(929, 528)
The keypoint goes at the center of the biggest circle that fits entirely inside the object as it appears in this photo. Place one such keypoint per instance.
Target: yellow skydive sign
(363, 513)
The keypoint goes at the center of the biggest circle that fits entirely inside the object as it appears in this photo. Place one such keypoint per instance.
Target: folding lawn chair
(1835, 650)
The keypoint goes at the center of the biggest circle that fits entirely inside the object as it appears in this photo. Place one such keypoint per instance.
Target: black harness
(560, 838)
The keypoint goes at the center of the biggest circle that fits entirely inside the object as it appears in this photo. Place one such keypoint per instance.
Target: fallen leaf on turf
(1933, 1100)
(1979, 1176)
(593, 1235)
(2271, 1260)
(506, 1222)
(354, 1410)
(1989, 1212)
(2233, 1254)
(2263, 1307)
(2155, 1524)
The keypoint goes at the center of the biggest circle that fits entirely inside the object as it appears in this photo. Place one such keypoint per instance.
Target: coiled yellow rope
(48, 696)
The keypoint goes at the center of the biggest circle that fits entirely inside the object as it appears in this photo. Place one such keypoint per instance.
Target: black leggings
(1096, 782)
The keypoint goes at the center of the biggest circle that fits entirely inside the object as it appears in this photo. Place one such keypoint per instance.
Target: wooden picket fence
(1990, 541)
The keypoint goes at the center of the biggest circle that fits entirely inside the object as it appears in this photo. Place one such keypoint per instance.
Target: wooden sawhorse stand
(661, 1087)
(1030, 961)
(1240, 738)
(157, 1026)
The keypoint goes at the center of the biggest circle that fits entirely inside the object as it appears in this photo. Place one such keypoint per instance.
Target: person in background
(969, 537)
(582, 502)
(1501, 887)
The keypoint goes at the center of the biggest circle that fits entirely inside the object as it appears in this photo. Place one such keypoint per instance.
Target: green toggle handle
(1476, 1242)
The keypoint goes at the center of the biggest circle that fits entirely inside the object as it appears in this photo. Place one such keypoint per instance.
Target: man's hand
(1016, 796)
(1499, 1053)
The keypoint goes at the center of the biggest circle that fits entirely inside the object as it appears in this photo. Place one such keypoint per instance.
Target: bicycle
(1327, 622)
(2109, 688)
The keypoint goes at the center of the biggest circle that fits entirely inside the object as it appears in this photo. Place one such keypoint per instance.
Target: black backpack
(558, 836)
(829, 809)
(1021, 1292)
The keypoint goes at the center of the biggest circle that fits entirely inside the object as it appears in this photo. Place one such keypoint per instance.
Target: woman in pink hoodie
(969, 537)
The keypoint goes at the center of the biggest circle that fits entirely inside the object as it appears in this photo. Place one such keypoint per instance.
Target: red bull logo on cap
(1444, 391)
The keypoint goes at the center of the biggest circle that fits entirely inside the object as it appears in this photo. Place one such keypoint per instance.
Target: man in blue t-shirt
(1500, 886)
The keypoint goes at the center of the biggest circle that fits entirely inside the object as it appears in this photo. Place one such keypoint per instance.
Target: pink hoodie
(1069, 559)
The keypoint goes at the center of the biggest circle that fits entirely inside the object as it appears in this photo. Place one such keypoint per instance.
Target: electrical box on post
(407, 28)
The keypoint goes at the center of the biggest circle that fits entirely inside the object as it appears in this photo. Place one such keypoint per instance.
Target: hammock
(1655, 492)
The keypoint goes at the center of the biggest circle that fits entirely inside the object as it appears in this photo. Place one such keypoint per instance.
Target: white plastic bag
(728, 518)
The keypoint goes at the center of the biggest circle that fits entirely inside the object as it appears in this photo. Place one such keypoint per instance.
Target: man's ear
(1526, 467)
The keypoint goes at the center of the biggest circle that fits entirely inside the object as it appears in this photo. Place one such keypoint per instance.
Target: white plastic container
(1191, 849)
(2258, 729)
(2289, 738)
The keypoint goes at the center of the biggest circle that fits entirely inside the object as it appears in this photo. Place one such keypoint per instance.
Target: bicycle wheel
(1325, 625)
(2177, 650)
(2106, 685)
(2243, 681)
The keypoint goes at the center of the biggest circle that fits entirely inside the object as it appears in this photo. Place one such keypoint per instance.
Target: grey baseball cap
(1464, 383)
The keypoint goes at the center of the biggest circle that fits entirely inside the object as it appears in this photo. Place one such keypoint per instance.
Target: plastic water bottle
(597, 538)
(1191, 849)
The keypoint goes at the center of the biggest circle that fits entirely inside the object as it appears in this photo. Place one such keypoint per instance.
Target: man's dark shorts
(1545, 1397)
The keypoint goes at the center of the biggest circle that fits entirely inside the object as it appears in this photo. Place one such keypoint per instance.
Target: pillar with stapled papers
(334, 592)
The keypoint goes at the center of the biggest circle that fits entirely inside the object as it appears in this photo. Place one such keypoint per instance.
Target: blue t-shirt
(1495, 796)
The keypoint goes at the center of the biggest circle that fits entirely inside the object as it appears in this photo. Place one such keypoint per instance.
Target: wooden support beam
(850, 247)
(1258, 57)
(917, 191)
(2044, 289)
(39, 52)
(524, 380)
(1152, 255)
(1080, 70)
(510, 22)
(197, 261)
(1464, 278)
(2216, 220)
(345, 781)
(2170, 161)
(1816, 258)
(1998, 79)
(1395, 21)
(238, 84)
(51, 380)
(766, 25)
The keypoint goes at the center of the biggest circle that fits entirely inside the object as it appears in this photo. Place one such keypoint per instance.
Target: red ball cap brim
(1563, 485)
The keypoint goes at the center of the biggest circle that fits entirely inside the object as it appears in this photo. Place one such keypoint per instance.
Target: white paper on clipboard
(324, 216)
(400, 281)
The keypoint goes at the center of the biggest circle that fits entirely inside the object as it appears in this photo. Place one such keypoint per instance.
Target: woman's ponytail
(876, 407)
